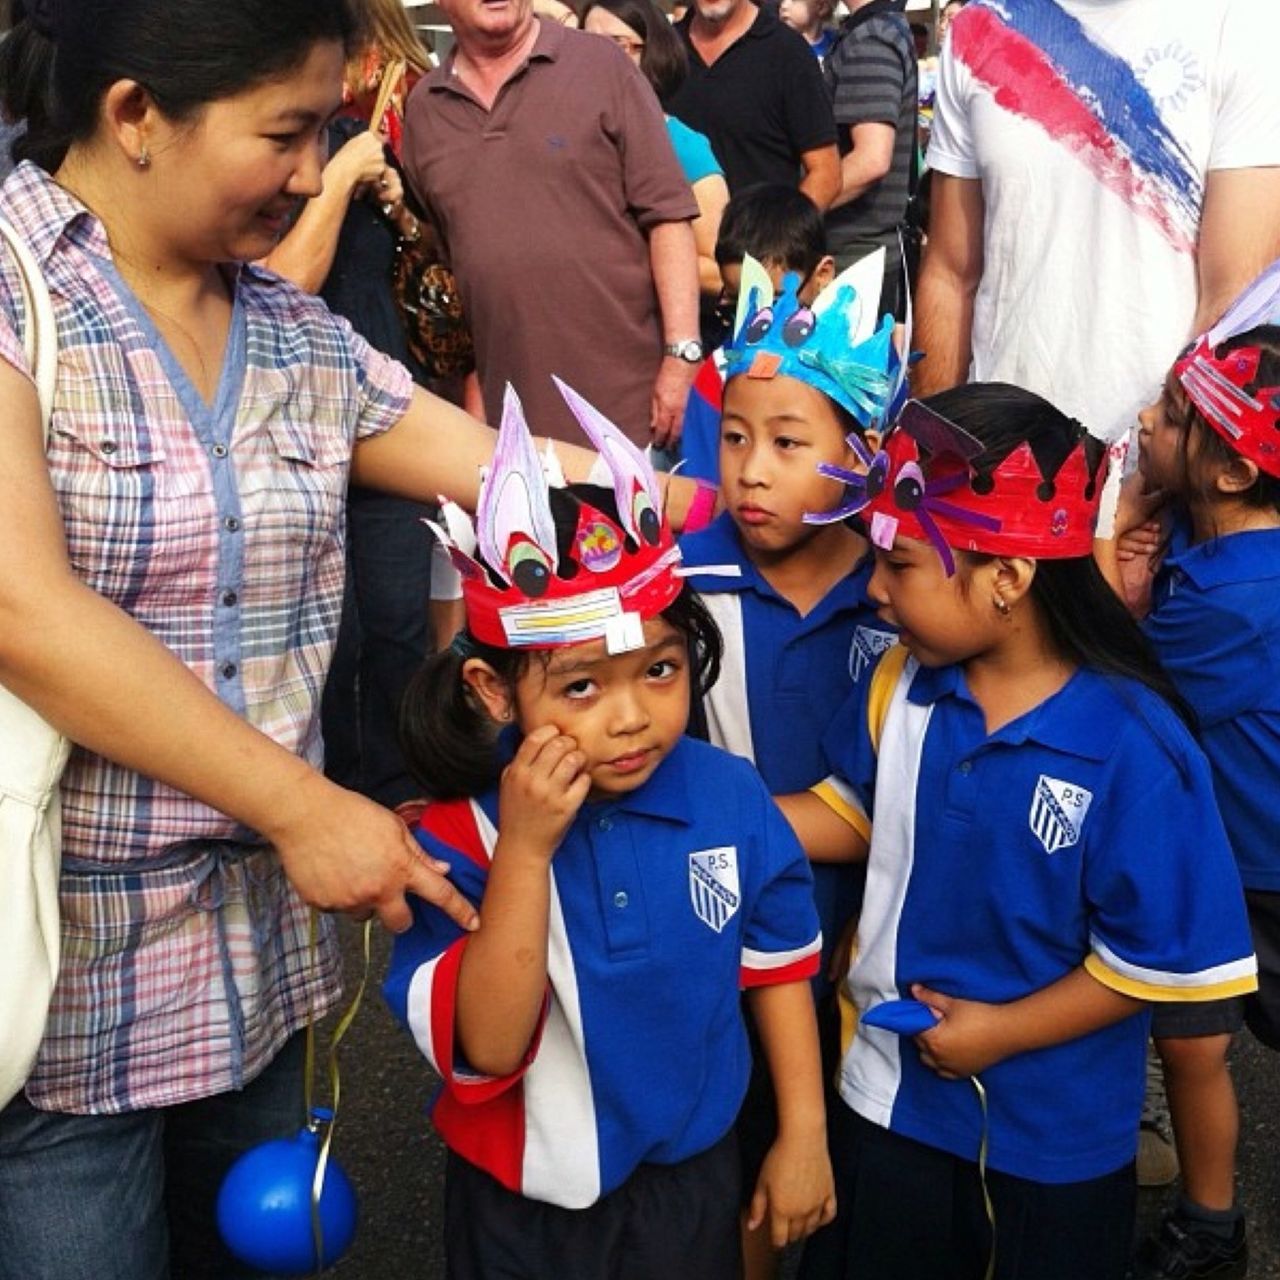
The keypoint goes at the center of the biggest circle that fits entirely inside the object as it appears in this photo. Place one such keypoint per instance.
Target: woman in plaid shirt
(170, 584)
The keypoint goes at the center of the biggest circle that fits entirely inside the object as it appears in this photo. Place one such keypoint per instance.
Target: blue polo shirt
(665, 903)
(1082, 833)
(1215, 624)
(783, 677)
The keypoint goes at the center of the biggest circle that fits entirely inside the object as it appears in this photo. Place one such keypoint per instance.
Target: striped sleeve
(1168, 921)
(422, 977)
(869, 72)
(782, 940)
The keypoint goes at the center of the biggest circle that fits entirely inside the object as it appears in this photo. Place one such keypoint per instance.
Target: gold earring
(144, 158)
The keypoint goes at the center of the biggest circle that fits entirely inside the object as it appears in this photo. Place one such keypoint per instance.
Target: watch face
(690, 350)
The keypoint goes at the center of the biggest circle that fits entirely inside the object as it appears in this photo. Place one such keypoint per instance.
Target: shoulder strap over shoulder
(884, 680)
(41, 337)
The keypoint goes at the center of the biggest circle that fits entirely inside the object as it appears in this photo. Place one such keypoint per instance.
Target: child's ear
(1013, 578)
(823, 274)
(492, 691)
(1236, 478)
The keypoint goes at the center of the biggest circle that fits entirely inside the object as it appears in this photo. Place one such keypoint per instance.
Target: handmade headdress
(1224, 387)
(933, 481)
(835, 345)
(525, 589)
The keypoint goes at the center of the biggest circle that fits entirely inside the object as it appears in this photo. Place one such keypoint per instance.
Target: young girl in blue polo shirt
(1014, 888)
(630, 882)
(1210, 449)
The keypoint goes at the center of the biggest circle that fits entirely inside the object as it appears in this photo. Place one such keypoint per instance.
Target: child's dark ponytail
(449, 742)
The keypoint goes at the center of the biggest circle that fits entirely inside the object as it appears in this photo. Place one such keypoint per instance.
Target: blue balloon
(264, 1205)
(906, 1017)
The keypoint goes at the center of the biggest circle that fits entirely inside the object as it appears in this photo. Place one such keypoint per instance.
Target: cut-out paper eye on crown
(520, 589)
(1225, 387)
(835, 345)
(935, 482)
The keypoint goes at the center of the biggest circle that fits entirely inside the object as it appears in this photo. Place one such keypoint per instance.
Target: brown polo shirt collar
(546, 48)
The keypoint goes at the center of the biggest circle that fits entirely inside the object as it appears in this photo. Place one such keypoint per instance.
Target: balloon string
(335, 1080)
(990, 1272)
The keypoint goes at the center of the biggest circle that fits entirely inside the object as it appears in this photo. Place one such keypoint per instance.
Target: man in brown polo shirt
(543, 158)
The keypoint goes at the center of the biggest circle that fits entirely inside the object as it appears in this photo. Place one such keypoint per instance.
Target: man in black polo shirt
(756, 91)
(871, 73)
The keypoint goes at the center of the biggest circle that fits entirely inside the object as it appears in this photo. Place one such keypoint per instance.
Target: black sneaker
(1181, 1251)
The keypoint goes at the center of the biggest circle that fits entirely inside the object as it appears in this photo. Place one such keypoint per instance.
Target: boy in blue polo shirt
(1019, 901)
(788, 595)
(1208, 446)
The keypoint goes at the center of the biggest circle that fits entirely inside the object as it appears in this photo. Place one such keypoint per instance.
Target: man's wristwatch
(690, 350)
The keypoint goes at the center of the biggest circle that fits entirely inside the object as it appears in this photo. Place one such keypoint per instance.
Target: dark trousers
(384, 636)
(911, 1212)
(131, 1197)
(664, 1222)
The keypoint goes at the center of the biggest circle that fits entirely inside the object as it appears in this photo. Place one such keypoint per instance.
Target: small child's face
(626, 711)
(1162, 441)
(810, 286)
(797, 14)
(773, 434)
(941, 620)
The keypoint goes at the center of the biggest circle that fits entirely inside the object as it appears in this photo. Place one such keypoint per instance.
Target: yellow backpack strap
(884, 680)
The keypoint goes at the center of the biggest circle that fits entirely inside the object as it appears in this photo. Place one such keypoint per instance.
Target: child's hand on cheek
(542, 790)
(969, 1036)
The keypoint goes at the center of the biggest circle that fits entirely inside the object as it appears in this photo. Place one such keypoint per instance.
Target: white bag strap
(40, 339)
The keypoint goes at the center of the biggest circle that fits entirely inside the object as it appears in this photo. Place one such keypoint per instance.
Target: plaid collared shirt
(219, 527)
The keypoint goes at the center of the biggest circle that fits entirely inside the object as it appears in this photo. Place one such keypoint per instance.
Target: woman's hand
(542, 790)
(342, 852)
(359, 164)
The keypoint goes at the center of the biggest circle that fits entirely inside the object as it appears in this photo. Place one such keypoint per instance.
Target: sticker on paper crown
(543, 566)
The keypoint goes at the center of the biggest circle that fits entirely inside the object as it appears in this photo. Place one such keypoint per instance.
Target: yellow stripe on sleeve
(1241, 985)
(841, 801)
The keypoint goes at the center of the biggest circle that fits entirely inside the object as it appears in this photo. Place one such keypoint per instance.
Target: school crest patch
(713, 885)
(868, 644)
(1058, 811)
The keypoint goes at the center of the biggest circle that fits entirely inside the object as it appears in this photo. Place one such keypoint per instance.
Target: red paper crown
(931, 481)
(1225, 390)
(522, 592)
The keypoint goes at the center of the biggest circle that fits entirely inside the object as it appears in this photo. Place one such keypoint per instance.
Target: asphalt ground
(385, 1142)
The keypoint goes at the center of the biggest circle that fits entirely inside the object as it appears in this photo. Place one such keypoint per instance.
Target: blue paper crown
(833, 345)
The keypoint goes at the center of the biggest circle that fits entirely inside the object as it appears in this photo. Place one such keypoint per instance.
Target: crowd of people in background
(720, 245)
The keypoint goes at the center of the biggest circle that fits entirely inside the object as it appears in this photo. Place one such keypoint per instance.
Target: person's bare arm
(436, 449)
(305, 254)
(712, 194)
(1239, 235)
(824, 834)
(821, 181)
(673, 260)
(108, 684)
(949, 278)
(868, 162)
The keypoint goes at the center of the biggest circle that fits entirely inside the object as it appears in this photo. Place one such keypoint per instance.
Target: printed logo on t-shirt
(868, 644)
(713, 885)
(1058, 811)
(1171, 74)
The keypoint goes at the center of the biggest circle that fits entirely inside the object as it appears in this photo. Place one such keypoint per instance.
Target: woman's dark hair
(450, 744)
(63, 55)
(1086, 618)
(1264, 493)
(663, 59)
(773, 223)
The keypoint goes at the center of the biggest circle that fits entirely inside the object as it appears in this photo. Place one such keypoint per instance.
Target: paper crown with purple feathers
(521, 587)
